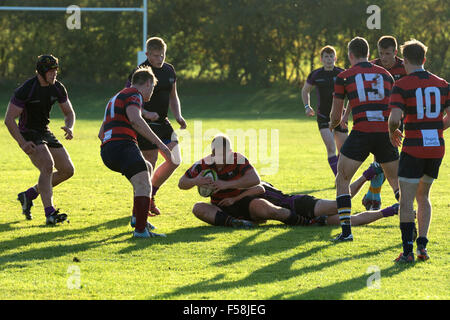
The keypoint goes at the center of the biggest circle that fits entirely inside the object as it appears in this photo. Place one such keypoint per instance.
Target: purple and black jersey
(37, 101)
(324, 82)
(159, 102)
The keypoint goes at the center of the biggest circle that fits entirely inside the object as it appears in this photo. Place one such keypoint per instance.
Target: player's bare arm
(69, 119)
(101, 132)
(344, 119)
(306, 90)
(186, 183)
(139, 124)
(152, 116)
(12, 113)
(248, 180)
(336, 112)
(394, 123)
(446, 119)
(175, 106)
(253, 191)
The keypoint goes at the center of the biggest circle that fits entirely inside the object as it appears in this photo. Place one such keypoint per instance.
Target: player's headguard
(45, 63)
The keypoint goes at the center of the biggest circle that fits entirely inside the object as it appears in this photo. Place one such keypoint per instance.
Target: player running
(367, 87)
(155, 112)
(119, 150)
(323, 79)
(422, 98)
(388, 59)
(32, 103)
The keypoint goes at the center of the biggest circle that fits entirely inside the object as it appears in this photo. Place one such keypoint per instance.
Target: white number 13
(378, 86)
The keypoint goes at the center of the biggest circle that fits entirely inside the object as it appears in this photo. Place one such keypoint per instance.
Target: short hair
(142, 75)
(386, 42)
(327, 49)
(222, 142)
(414, 51)
(359, 47)
(155, 43)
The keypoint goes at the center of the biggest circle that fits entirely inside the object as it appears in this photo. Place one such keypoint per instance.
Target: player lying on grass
(240, 200)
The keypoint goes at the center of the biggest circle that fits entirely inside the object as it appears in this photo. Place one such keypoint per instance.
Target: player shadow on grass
(203, 233)
(8, 226)
(336, 291)
(245, 249)
(283, 271)
(53, 238)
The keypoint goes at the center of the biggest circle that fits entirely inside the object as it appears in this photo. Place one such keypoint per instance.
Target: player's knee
(69, 171)
(142, 187)
(47, 166)
(422, 199)
(198, 209)
(342, 178)
(260, 209)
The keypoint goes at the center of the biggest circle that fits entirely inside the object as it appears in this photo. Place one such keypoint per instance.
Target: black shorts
(163, 130)
(323, 122)
(240, 209)
(42, 137)
(304, 205)
(123, 156)
(415, 168)
(359, 145)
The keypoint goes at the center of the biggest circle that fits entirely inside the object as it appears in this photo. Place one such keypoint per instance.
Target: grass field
(196, 261)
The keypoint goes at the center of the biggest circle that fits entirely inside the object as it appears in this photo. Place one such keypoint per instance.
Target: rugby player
(32, 103)
(388, 59)
(155, 112)
(242, 200)
(422, 98)
(323, 80)
(119, 150)
(367, 87)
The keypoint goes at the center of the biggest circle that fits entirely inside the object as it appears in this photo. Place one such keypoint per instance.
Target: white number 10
(419, 102)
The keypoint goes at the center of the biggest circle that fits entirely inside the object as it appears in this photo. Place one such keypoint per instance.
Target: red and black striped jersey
(397, 71)
(230, 171)
(367, 87)
(422, 97)
(116, 125)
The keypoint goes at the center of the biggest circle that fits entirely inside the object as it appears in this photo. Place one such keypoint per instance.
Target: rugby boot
(56, 217)
(401, 259)
(26, 205)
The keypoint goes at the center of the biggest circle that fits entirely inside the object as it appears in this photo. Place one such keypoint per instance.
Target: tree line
(239, 41)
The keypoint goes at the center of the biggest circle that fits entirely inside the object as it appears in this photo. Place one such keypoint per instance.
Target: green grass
(197, 261)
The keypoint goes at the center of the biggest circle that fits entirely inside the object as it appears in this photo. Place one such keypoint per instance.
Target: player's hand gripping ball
(206, 191)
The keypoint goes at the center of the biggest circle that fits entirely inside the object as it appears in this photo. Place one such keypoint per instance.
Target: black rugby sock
(222, 219)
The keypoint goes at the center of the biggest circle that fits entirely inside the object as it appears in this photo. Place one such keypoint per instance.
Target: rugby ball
(205, 191)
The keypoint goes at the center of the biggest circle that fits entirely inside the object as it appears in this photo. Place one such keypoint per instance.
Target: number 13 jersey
(367, 87)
